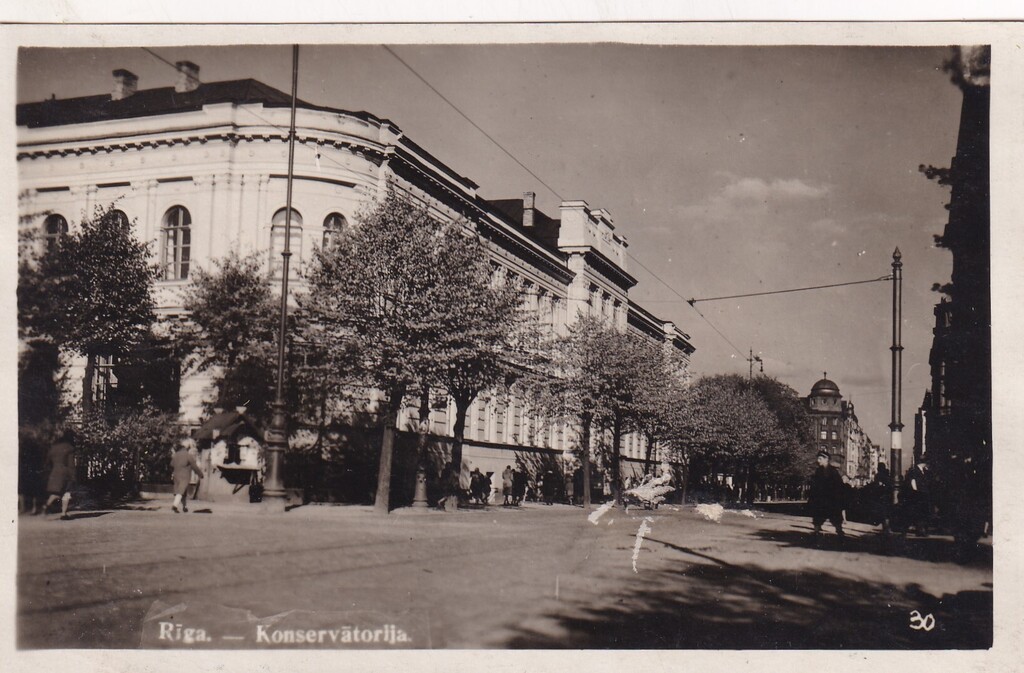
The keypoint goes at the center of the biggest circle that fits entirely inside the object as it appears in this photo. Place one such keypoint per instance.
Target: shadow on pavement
(74, 516)
(934, 549)
(707, 603)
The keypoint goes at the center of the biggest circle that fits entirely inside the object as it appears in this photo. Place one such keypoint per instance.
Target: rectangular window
(440, 421)
(103, 381)
(824, 434)
(481, 420)
(515, 422)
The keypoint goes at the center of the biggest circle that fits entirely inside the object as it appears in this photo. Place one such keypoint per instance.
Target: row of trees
(406, 307)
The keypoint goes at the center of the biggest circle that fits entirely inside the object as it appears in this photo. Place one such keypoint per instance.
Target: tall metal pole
(274, 495)
(896, 425)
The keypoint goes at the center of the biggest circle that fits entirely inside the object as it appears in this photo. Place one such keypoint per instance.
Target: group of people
(59, 467)
(61, 470)
(514, 485)
(517, 486)
(831, 496)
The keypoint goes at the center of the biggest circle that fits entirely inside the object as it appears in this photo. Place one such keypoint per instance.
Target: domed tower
(827, 411)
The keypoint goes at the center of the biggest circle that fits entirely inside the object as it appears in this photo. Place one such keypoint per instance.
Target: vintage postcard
(512, 345)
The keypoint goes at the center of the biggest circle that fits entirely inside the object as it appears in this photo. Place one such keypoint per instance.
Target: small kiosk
(230, 456)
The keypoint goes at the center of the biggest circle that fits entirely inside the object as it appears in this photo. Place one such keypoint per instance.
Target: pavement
(530, 577)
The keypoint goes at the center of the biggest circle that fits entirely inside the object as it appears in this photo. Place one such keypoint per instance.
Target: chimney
(125, 84)
(188, 76)
(528, 199)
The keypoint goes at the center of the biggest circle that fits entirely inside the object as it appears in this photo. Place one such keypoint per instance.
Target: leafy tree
(573, 386)
(660, 384)
(398, 291)
(788, 462)
(99, 287)
(117, 453)
(596, 384)
(232, 328)
(755, 429)
(88, 291)
(483, 333)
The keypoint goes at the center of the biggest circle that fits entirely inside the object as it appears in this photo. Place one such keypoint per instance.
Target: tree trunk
(751, 482)
(90, 371)
(585, 458)
(616, 468)
(383, 500)
(462, 404)
(421, 448)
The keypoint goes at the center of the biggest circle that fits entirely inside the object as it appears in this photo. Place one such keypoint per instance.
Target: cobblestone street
(537, 577)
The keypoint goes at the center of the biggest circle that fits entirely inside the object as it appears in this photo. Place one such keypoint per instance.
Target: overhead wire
(691, 302)
(549, 187)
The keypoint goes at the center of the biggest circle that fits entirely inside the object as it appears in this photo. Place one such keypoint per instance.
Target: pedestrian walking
(506, 485)
(825, 499)
(183, 465)
(849, 498)
(193, 480)
(577, 483)
(480, 486)
(548, 487)
(917, 500)
(31, 467)
(881, 498)
(519, 486)
(60, 461)
(450, 488)
(570, 491)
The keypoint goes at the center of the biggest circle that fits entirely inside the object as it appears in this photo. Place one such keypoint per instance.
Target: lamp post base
(274, 502)
(420, 497)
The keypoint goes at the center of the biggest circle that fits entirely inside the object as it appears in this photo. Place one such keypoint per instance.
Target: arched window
(334, 224)
(119, 219)
(54, 227)
(277, 227)
(176, 243)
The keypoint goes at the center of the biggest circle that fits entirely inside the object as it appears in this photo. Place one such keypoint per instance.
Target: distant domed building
(837, 431)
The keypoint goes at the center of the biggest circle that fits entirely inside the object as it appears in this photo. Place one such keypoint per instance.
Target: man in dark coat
(61, 464)
(825, 499)
(917, 498)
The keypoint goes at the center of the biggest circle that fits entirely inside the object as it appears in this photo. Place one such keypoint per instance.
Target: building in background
(200, 170)
(837, 430)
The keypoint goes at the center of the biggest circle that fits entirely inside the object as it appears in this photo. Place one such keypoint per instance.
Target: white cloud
(742, 197)
(759, 190)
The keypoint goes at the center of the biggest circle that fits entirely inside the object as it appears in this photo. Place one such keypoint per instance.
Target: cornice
(371, 153)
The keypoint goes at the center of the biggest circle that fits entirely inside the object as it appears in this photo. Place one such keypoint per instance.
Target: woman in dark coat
(61, 463)
(183, 464)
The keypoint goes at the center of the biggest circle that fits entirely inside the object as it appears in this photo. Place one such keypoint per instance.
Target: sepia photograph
(547, 342)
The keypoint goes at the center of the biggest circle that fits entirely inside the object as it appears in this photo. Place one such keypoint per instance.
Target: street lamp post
(751, 360)
(274, 495)
(896, 426)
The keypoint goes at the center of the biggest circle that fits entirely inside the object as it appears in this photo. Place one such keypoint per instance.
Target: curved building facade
(200, 171)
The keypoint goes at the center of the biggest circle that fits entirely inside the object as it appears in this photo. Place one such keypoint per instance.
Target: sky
(729, 170)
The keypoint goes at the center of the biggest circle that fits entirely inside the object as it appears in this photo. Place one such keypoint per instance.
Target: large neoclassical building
(200, 169)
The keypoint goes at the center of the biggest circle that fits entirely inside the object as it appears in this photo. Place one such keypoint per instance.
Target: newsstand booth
(230, 457)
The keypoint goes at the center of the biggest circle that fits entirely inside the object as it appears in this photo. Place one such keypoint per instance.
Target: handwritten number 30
(917, 622)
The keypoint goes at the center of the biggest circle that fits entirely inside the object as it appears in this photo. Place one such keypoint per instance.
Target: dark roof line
(163, 100)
